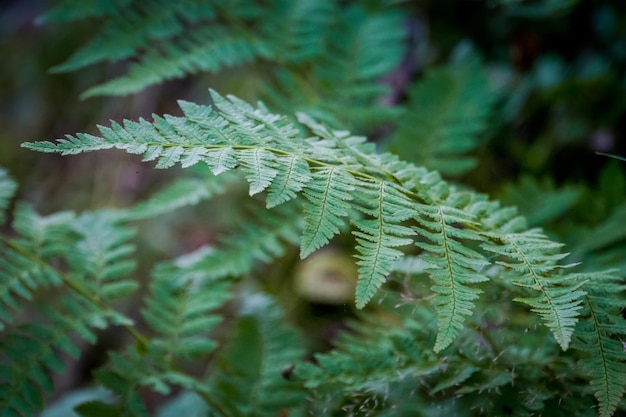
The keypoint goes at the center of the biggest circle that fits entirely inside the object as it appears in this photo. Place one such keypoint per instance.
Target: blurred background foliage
(555, 71)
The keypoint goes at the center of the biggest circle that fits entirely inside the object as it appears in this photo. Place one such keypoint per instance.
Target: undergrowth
(458, 303)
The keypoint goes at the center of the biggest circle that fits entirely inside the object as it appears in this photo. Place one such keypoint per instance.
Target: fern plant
(316, 56)
(391, 204)
(461, 305)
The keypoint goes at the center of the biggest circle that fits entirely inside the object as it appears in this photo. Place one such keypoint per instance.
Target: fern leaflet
(101, 255)
(446, 111)
(533, 260)
(24, 264)
(328, 195)
(179, 194)
(31, 353)
(601, 336)
(457, 267)
(250, 382)
(378, 237)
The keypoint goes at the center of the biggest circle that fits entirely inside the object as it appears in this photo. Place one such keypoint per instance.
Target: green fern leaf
(101, 256)
(249, 382)
(201, 49)
(533, 260)
(451, 222)
(129, 402)
(600, 334)
(293, 174)
(446, 112)
(32, 353)
(361, 361)
(539, 201)
(457, 267)
(238, 254)
(260, 167)
(342, 87)
(24, 264)
(181, 310)
(377, 237)
(294, 27)
(328, 194)
(126, 33)
(7, 190)
(181, 193)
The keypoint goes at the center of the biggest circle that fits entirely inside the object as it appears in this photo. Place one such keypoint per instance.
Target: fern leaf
(202, 49)
(446, 112)
(294, 27)
(133, 30)
(129, 402)
(249, 382)
(533, 260)
(378, 237)
(7, 190)
(181, 193)
(24, 264)
(292, 176)
(238, 254)
(539, 201)
(259, 165)
(457, 267)
(328, 195)
(181, 310)
(361, 362)
(600, 335)
(342, 87)
(101, 256)
(31, 353)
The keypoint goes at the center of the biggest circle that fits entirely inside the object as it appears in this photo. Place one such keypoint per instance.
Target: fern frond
(202, 49)
(180, 310)
(292, 176)
(129, 402)
(446, 112)
(238, 253)
(343, 169)
(7, 190)
(31, 353)
(328, 194)
(457, 266)
(130, 30)
(295, 28)
(181, 193)
(249, 381)
(25, 261)
(600, 335)
(342, 87)
(539, 201)
(377, 237)
(100, 258)
(533, 260)
(362, 362)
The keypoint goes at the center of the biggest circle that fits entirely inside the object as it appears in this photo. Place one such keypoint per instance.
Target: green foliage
(462, 305)
(446, 111)
(326, 57)
(32, 352)
(249, 382)
(7, 189)
(600, 337)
